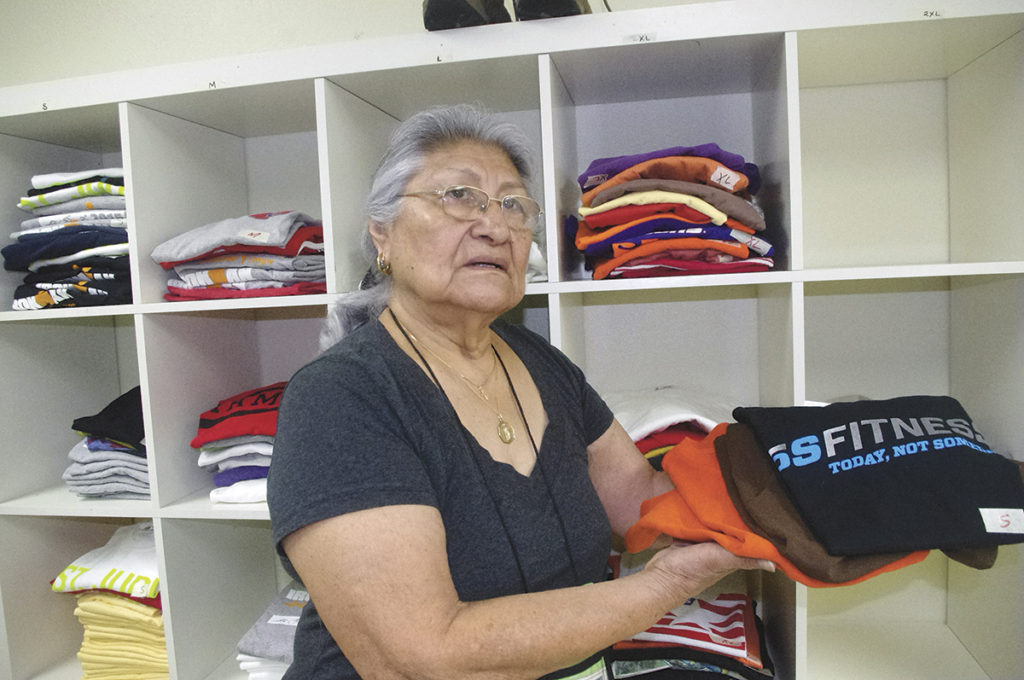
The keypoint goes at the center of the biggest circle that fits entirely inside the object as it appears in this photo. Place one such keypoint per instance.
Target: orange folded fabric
(622, 255)
(587, 235)
(630, 213)
(686, 168)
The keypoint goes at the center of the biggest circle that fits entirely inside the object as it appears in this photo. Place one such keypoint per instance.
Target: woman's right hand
(687, 569)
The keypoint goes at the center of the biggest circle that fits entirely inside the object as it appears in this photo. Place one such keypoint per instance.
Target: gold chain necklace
(506, 432)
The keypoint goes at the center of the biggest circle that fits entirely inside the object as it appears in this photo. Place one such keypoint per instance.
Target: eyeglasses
(468, 203)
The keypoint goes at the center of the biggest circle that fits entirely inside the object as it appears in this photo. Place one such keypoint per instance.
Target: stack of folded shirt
(235, 440)
(118, 603)
(838, 494)
(657, 419)
(265, 651)
(122, 639)
(670, 212)
(717, 632)
(258, 255)
(75, 247)
(110, 460)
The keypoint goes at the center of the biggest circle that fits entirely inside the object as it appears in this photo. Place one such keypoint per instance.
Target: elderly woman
(446, 485)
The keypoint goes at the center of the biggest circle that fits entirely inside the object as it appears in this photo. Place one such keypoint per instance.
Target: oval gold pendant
(506, 432)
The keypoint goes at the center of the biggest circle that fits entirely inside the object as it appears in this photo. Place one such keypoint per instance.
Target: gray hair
(417, 137)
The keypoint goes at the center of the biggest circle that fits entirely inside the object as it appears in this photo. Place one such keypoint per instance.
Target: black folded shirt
(910, 473)
(120, 420)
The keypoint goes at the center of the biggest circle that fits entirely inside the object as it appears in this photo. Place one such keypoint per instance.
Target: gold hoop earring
(382, 265)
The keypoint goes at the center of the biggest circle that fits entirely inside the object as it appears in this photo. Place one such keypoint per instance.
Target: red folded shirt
(246, 413)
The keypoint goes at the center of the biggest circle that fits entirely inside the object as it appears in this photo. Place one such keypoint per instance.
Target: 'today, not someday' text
(880, 435)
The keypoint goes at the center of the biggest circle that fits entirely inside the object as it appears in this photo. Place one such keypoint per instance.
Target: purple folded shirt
(669, 228)
(602, 169)
(238, 474)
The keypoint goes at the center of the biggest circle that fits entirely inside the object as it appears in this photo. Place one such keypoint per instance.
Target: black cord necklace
(487, 485)
(540, 470)
(506, 432)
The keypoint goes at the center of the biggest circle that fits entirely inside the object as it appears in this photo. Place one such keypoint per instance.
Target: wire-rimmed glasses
(468, 203)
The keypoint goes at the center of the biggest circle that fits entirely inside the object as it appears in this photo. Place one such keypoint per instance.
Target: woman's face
(453, 265)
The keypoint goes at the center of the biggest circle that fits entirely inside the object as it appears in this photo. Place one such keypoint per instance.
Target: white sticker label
(297, 595)
(725, 178)
(1003, 520)
(640, 38)
(280, 620)
(141, 587)
(594, 180)
(729, 642)
(253, 235)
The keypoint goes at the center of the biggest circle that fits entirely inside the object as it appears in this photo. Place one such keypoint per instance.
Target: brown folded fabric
(733, 205)
(976, 558)
(762, 502)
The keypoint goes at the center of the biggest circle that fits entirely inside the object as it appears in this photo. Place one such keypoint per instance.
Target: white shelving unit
(889, 138)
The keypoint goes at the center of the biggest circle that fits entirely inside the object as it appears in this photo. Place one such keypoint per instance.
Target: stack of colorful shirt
(75, 246)
(839, 494)
(258, 255)
(110, 460)
(235, 441)
(265, 651)
(670, 212)
(117, 588)
(658, 419)
(717, 633)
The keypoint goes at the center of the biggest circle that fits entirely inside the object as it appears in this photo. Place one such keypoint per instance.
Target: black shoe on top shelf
(527, 10)
(439, 15)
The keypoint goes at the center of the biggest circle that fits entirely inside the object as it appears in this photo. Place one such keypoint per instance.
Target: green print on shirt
(131, 584)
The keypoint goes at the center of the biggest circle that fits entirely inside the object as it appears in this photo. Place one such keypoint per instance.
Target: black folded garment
(910, 473)
(79, 294)
(115, 263)
(119, 421)
(116, 181)
(65, 241)
(527, 10)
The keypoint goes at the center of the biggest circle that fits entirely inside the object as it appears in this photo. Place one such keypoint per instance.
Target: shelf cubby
(194, 361)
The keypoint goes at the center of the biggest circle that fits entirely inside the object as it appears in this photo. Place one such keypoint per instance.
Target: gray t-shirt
(363, 426)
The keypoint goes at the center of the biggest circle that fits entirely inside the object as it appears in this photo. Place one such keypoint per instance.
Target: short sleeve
(341, 446)
(597, 416)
